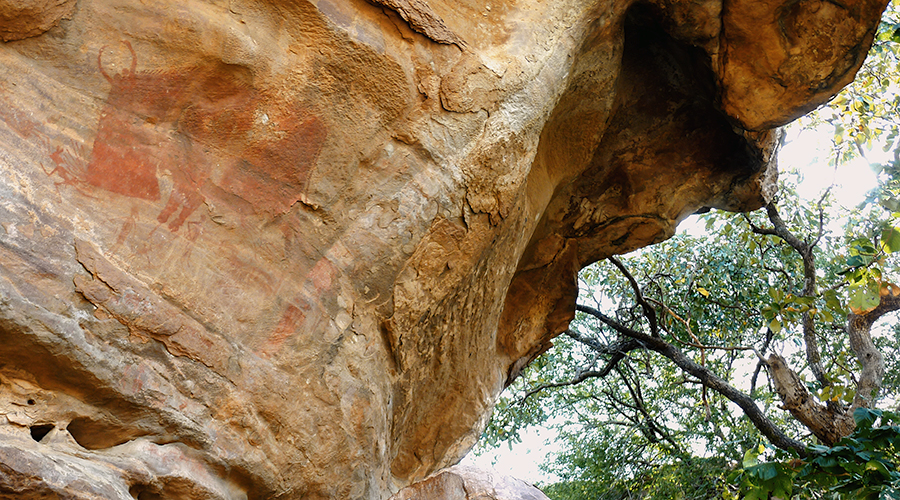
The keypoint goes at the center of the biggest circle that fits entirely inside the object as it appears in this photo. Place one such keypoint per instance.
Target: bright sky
(522, 460)
(809, 151)
(806, 149)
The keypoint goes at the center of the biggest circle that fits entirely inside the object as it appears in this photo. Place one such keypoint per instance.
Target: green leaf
(865, 298)
(804, 300)
(890, 203)
(855, 261)
(783, 489)
(832, 301)
(825, 461)
(775, 326)
(865, 417)
(750, 458)
(765, 471)
(890, 239)
(756, 494)
(862, 245)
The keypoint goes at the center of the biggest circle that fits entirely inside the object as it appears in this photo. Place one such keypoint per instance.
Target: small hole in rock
(39, 431)
(142, 492)
(97, 435)
(31, 401)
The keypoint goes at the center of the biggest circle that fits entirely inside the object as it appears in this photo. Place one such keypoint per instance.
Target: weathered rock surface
(469, 483)
(26, 18)
(295, 248)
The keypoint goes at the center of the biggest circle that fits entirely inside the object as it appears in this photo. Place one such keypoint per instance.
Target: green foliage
(610, 441)
(865, 269)
(760, 480)
(691, 479)
(628, 431)
(864, 465)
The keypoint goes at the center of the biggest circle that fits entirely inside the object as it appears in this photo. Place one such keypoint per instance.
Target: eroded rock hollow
(296, 248)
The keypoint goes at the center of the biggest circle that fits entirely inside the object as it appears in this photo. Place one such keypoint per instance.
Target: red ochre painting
(210, 130)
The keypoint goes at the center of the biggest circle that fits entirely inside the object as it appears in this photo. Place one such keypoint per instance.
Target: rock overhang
(296, 249)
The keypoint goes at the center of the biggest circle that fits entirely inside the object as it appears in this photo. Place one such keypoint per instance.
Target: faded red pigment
(193, 122)
(287, 327)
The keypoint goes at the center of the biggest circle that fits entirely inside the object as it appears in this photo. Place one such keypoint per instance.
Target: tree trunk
(830, 424)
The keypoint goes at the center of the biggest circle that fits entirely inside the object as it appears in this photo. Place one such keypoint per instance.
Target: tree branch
(831, 423)
(653, 428)
(617, 350)
(813, 353)
(649, 311)
(768, 428)
(795, 398)
(805, 250)
(696, 342)
(821, 208)
(761, 362)
(579, 377)
(859, 328)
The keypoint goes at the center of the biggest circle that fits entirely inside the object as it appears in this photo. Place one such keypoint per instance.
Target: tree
(692, 325)
(682, 356)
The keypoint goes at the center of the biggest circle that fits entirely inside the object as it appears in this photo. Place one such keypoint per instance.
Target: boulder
(296, 248)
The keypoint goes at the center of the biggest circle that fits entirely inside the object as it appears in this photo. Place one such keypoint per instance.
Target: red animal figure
(206, 128)
(125, 156)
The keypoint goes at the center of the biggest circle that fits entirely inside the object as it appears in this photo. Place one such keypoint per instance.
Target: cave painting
(126, 154)
(66, 164)
(291, 320)
(208, 131)
(17, 120)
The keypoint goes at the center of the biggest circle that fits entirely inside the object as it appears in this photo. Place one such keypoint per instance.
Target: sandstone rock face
(295, 248)
(26, 18)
